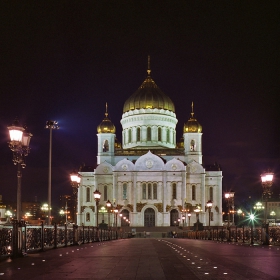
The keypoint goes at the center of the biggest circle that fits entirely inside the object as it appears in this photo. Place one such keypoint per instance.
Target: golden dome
(118, 144)
(106, 125)
(192, 125)
(148, 95)
(180, 144)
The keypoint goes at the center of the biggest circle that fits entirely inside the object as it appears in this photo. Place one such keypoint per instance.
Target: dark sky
(62, 60)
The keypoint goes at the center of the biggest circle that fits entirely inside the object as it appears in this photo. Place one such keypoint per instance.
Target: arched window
(149, 191)
(124, 191)
(88, 217)
(154, 191)
(193, 192)
(105, 193)
(192, 145)
(211, 193)
(88, 195)
(174, 191)
(105, 146)
(149, 134)
(144, 191)
(159, 134)
(138, 135)
(167, 136)
(129, 136)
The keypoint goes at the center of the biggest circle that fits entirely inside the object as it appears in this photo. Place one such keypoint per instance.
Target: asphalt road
(148, 259)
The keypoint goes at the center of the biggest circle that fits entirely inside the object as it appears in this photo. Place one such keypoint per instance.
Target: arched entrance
(149, 217)
(174, 215)
(125, 215)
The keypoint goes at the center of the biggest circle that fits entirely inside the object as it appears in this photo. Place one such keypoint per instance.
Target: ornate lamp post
(109, 205)
(116, 217)
(50, 125)
(183, 219)
(229, 196)
(19, 144)
(75, 183)
(209, 205)
(197, 211)
(97, 196)
(267, 181)
(189, 216)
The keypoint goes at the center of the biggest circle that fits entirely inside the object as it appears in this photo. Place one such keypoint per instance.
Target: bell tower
(192, 135)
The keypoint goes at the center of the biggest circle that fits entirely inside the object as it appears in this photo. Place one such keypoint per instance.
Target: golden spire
(106, 113)
(149, 66)
(192, 113)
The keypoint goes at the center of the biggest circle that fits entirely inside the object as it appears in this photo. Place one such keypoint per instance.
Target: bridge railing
(250, 235)
(18, 238)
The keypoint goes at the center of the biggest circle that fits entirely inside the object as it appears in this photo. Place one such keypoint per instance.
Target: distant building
(150, 178)
(273, 211)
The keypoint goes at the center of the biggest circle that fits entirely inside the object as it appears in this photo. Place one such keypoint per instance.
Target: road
(148, 258)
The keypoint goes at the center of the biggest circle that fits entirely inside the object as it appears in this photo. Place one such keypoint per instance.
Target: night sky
(63, 60)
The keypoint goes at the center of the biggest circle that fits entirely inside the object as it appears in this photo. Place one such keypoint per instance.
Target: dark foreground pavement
(148, 259)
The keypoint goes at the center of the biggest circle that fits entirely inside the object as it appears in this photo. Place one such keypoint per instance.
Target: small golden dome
(106, 126)
(192, 125)
(180, 144)
(148, 95)
(118, 144)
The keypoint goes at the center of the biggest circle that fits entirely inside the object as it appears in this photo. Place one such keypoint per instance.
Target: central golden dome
(148, 95)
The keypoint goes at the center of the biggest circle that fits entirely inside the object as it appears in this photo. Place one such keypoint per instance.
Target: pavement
(148, 258)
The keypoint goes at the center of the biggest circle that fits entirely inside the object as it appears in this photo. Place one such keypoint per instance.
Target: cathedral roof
(148, 95)
(106, 126)
(192, 125)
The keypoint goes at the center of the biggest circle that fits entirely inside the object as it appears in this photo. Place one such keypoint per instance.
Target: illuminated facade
(149, 178)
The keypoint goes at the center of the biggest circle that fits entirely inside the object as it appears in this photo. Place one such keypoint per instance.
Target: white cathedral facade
(149, 178)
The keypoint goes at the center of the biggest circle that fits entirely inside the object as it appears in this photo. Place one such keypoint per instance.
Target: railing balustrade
(19, 239)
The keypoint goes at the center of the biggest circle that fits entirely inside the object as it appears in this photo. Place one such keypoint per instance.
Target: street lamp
(109, 205)
(19, 144)
(229, 196)
(183, 219)
(252, 218)
(267, 181)
(50, 125)
(209, 205)
(197, 210)
(75, 183)
(116, 217)
(97, 196)
(189, 216)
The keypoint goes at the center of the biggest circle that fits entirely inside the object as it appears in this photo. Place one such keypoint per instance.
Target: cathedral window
(129, 136)
(174, 191)
(124, 191)
(211, 216)
(149, 134)
(193, 192)
(154, 191)
(149, 191)
(88, 195)
(211, 193)
(138, 134)
(105, 146)
(192, 145)
(105, 193)
(88, 217)
(159, 134)
(167, 136)
(144, 191)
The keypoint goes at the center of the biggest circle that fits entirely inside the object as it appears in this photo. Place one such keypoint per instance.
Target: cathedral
(150, 179)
